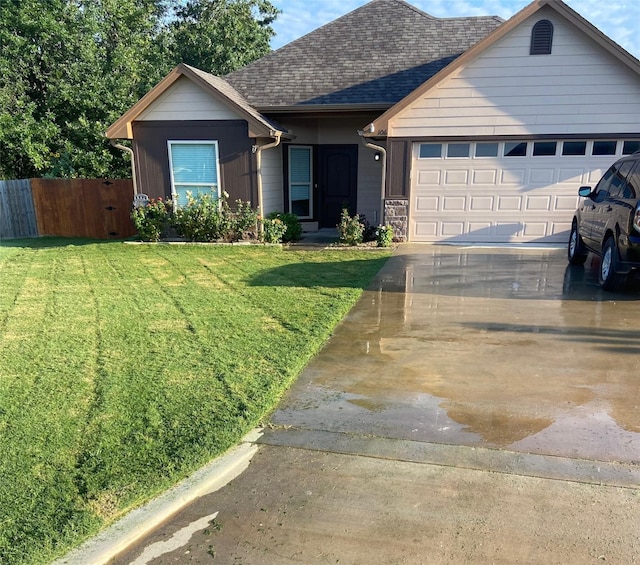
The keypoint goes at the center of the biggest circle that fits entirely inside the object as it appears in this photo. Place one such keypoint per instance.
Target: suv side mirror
(584, 191)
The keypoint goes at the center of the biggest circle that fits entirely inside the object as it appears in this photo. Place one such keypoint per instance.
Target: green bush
(350, 229)
(384, 236)
(207, 218)
(369, 231)
(204, 218)
(243, 221)
(152, 219)
(273, 230)
(291, 221)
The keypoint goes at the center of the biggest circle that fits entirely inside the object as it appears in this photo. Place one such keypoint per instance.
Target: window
(430, 150)
(515, 149)
(632, 189)
(612, 184)
(626, 191)
(193, 166)
(300, 181)
(604, 148)
(541, 38)
(486, 149)
(458, 149)
(574, 148)
(630, 147)
(544, 148)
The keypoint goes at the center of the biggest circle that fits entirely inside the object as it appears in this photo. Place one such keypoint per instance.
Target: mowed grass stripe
(135, 365)
(46, 365)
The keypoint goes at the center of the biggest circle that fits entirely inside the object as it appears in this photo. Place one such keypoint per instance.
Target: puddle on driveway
(482, 347)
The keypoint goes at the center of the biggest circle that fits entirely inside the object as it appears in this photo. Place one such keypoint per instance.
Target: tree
(69, 68)
(220, 36)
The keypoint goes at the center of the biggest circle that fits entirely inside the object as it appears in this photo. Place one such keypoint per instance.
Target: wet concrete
(476, 406)
(495, 348)
(296, 506)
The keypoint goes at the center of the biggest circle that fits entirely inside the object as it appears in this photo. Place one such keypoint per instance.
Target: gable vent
(542, 38)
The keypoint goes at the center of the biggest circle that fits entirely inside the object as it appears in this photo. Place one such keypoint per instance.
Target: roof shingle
(376, 54)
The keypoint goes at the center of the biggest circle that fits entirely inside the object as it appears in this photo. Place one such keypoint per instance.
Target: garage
(514, 191)
(494, 147)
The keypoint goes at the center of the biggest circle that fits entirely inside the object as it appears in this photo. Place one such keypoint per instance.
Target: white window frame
(170, 144)
(499, 150)
(311, 187)
(442, 149)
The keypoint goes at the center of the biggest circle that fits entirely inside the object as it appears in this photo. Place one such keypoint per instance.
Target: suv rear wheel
(609, 279)
(576, 252)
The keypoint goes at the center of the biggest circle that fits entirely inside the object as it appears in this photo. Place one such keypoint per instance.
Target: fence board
(93, 208)
(17, 213)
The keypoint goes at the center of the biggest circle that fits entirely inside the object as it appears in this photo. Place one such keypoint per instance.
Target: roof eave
(323, 108)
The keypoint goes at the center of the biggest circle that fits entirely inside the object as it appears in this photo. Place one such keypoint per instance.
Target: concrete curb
(141, 521)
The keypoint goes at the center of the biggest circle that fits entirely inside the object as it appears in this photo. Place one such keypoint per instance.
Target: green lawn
(123, 368)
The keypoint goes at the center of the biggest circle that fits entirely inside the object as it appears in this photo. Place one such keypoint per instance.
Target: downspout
(133, 162)
(383, 182)
(258, 149)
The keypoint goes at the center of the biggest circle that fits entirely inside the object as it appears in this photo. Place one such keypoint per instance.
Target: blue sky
(619, 19)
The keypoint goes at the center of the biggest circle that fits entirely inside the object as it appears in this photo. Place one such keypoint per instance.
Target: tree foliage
(220, 36)
(69, 68)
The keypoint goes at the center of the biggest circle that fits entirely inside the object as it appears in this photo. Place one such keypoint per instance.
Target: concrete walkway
(476, 406)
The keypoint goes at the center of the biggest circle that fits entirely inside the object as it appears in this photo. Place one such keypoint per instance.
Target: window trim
(434, 143)
(556, 145)
(586, 152)
(593, 147)
(497, 153)
(311, 179)
(170, 144)
(459, 143)
(527, 144)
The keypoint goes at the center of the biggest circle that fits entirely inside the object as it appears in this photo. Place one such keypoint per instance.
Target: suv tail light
(636, 218)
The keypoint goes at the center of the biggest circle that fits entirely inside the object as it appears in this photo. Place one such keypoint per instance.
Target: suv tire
(576, 251)
(609, 278)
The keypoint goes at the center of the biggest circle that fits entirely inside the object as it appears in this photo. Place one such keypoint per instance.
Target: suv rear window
(632, 187)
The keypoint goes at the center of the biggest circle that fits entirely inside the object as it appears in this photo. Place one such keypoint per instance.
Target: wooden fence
(17, 213)
(92, 208)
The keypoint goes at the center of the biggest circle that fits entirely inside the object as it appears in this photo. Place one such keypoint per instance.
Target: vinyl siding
(272, 181)
(579, 88)
(185, 100)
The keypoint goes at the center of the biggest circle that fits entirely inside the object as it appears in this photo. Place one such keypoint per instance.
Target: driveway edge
(141, 521)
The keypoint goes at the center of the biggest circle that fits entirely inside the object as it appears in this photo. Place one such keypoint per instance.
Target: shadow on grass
(356, 273)
(49, 242)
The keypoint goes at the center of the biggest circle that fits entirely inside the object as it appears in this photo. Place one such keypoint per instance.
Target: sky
(619, 19)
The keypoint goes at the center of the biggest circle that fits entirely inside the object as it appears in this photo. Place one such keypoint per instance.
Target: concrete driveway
(477, 405)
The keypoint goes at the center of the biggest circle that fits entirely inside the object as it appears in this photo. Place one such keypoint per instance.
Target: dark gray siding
(237, 163)
(399, 166)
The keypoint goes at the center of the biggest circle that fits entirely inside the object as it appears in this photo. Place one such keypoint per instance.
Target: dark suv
(608, 223)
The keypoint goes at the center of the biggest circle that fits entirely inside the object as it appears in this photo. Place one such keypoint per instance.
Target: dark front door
(337, 182)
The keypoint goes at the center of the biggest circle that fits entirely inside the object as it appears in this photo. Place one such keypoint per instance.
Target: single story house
(451, 129)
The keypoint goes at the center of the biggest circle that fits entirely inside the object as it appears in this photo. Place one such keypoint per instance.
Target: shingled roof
(376, 54)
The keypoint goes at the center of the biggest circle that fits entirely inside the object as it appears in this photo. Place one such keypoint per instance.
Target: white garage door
(503, 192)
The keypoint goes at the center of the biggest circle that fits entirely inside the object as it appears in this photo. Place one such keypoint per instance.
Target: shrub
(207, 218)
(384, 236)
(273, 230)
(369, 231)
(294, 227)
(152, 219)
(243, 220)
(204, 218)
(350, 229)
